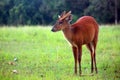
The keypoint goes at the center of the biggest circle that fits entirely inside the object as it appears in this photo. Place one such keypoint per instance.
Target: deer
(83, 32)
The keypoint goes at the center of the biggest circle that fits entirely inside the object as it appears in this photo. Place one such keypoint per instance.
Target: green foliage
(27, 12)
(44, 55)
(102, 10)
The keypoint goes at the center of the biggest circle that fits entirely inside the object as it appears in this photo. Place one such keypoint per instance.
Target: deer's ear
(69, 18)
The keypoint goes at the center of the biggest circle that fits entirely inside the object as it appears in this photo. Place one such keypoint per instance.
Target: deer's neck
(68, 33)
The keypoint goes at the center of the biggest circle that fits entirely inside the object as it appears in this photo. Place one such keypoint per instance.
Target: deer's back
(85, 29)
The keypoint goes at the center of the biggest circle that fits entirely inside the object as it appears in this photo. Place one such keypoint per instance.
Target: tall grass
(38, 54)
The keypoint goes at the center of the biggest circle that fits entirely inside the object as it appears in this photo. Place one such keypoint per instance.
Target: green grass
(44, 55)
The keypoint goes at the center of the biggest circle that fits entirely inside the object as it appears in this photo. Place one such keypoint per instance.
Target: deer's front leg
(75, 58)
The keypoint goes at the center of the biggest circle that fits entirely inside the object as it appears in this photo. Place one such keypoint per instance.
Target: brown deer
(83, 31)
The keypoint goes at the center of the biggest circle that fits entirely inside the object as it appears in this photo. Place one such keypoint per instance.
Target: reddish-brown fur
(83, 31)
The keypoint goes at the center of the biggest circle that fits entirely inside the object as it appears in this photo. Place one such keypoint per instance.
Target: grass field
(36, 53)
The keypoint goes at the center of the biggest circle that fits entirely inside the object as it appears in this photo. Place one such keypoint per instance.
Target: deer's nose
(53, 30)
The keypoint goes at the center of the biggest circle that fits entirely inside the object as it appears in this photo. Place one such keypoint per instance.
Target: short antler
(65, 15)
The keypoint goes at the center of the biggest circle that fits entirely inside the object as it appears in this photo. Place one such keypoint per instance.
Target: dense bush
(27, 12)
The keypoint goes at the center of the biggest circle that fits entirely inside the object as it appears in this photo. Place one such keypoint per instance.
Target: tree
(77, 7)
(44, 12)
(102, 10)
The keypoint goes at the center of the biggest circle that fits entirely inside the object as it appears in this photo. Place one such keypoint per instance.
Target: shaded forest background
(45, 12)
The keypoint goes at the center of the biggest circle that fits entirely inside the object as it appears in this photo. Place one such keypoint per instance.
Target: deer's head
(62, 22)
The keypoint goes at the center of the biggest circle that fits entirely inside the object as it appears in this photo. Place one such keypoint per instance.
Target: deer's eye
(60, 22)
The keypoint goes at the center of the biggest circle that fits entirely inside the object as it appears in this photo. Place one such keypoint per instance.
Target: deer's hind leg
(90, 47)
(94, 59)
